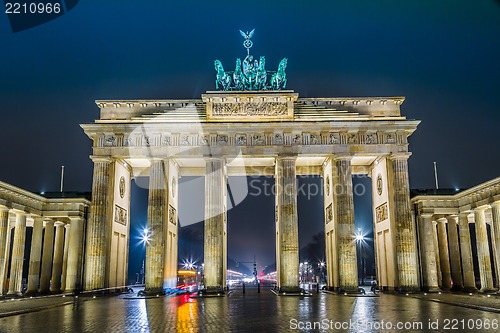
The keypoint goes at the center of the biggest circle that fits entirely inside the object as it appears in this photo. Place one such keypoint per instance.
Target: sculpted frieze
(250, 109)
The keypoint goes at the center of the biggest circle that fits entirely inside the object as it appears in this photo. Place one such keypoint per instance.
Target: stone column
(155, 247)
(428, 254)
(344, 212)
(287, 224)
(495, 212)
(444, 255)
(48, 248)
(55, 282)
(456, 266)
(466, 253)
(406, 247)
(215, 189)
(97, 230)
(16, 264)
(436, 247)
(4, 237)
(35, 256)
(73, 277)
(483, 251)
(65, 256)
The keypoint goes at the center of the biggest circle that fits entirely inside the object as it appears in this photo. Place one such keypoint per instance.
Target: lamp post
(145, 237)
(359, 240)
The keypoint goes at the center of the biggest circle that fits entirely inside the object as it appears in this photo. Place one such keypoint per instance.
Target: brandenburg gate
(235, 133)
(251, 126)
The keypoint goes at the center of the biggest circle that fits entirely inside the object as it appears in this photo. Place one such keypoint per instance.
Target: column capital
(46, 221)
(18, 212)
(286, 156)
(496, 204)
(452, 217)
(482, 208)
(442, 219)
(59, 224)
(96, 158)
(4, 208)
(426, 215)
(399, 156)
(342, 157)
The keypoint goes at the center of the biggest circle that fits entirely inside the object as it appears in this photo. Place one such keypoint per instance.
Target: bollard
(243, 287)
(258, 288)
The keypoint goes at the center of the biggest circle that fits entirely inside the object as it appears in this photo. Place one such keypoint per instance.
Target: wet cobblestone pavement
(253, 312)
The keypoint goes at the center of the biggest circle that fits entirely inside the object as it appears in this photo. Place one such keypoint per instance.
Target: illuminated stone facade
(272, 133)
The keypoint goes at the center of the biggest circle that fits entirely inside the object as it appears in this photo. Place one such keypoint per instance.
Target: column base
(154, 292)
(456, 288)
(31, 293)
(352, 290)
(431, 289)
(470, 289)
(408, 289)
(211, 291)
(14, 294)
(488, 290)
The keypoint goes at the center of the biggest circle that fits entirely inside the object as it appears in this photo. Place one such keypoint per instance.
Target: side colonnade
(466, 225)
(56, 247)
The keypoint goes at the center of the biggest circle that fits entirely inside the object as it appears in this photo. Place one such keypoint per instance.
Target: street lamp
(359, 240)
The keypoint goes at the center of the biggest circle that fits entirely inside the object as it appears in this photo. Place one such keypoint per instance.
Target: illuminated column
(483, 252)
(16, 264)
(495, 212)
(4, 241)
(429, 266)
(330, 227)
(65, 256)
(436, 247)
(456, 267)
(55, 282)
(48, 248)
(97, 231)
(406, 247)
(73, 276)
(287, 224)
(35, 256)
(344, 214)
(215, 189)
(466, 252)
(155, 247)
(444, 255)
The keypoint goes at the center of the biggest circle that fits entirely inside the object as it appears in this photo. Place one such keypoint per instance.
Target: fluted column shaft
(287, 224)
(483, 251)
(444, 255)
(155, 247)
(74, 257)
(406, 247)
(456, 266)
(344, 210)
(215, 189)
(55, 282)
(429, 266)
(16, 264)
(466, 253)
(48, 250)
(65, 256)
(4, 236)
(436, 247)
(35, 256)
(495, 212)
(97, 231)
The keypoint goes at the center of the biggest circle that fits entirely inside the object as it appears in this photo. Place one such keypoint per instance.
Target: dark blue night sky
(442, 55)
